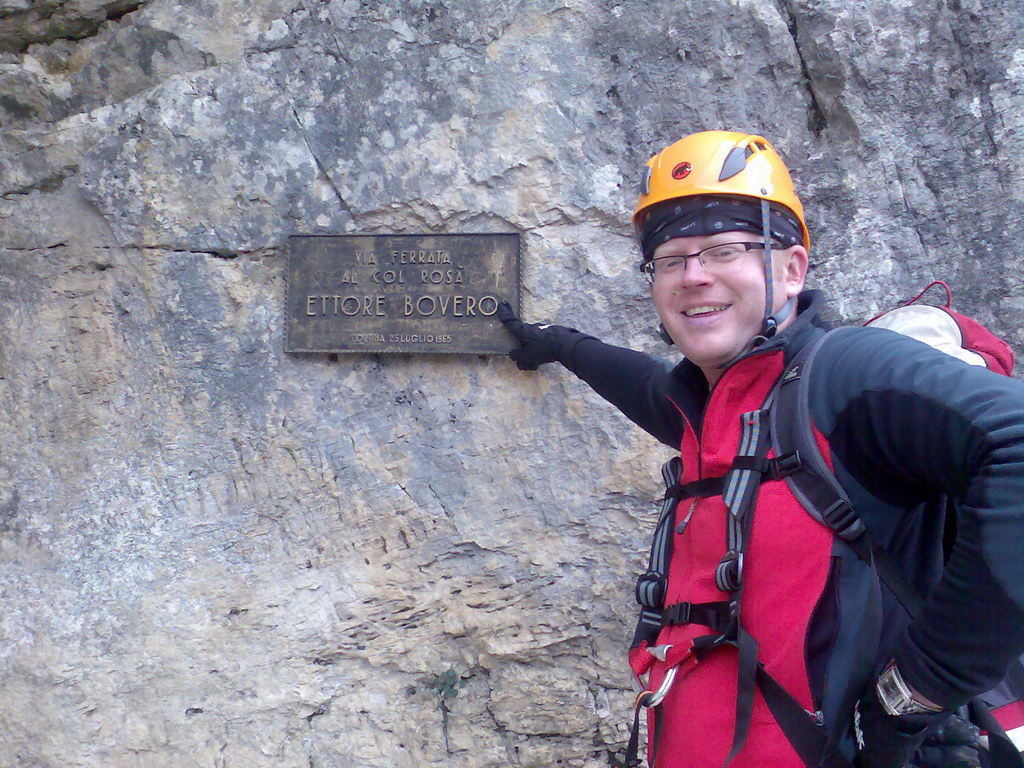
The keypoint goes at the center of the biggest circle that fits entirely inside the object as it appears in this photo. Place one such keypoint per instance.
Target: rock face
(214, 553)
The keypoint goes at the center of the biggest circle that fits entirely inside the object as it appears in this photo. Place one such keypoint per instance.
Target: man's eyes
(723, 253)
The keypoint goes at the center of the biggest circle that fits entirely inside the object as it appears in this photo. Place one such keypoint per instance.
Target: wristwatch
(896, 697)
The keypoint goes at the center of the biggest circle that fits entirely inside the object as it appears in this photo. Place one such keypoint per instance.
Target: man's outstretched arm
(631, 381)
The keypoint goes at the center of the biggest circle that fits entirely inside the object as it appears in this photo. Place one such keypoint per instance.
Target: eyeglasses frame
(647, 267)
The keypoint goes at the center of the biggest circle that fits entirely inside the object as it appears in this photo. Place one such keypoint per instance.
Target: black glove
(954, 744)
(539, 344)
(885, 741)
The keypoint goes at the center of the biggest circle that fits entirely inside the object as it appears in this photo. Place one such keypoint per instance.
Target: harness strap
(703, 488)
(738, 489)
(803, 732)
(746, 676)
(632, 759)
(650, 588)
(741, 486)
(769, 469)
(711, 615)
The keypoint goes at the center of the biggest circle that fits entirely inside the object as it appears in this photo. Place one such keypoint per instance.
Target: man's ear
(795, 270)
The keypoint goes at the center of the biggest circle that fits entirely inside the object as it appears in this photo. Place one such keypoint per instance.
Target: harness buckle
(677, 613)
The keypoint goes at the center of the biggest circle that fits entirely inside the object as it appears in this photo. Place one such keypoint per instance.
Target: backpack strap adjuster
(785, 465)
(843, 520)
(771, 469)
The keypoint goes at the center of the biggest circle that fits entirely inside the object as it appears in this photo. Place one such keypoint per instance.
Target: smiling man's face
(712, 316)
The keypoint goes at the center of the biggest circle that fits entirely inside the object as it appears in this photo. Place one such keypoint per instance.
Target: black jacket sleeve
(906, 421)
(633, 382)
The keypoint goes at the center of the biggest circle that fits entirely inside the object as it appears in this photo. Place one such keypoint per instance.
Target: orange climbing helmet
(719, 163)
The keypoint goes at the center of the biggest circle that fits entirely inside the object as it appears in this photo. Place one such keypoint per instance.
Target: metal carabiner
(657, 651)
(654, 698)
(659, 695)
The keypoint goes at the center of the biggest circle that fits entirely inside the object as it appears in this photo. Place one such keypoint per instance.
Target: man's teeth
(703, 310)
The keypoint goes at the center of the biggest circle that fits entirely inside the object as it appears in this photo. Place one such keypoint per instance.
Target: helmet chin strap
(770, 323)
(776, 320)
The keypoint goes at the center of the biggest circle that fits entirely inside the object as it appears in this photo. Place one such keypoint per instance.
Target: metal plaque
(400, 293)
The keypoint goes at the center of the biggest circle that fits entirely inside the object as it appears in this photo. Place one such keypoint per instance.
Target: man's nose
(694, 273)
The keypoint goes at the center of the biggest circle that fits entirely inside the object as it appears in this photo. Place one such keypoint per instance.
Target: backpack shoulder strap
(814, 484)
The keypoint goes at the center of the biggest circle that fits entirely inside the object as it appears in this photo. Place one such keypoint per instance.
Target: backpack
(800, 462)
(948, 331)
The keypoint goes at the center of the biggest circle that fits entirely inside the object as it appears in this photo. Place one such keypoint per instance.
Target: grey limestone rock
(214, 553)
(31, 21)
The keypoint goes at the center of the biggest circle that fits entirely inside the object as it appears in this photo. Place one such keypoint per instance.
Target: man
(782, 605)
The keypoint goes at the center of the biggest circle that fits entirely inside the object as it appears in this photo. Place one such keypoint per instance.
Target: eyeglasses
(715, 260)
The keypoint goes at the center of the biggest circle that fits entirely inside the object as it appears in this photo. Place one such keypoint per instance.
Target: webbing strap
(632, 759)
(768, 469)
(711, 615)
(650, 587)
(670, 472)
(741, 484)
(745, 681)
(804, 734)
(703, 488)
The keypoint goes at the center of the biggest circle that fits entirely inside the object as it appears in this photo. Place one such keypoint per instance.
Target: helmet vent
(735, 162)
